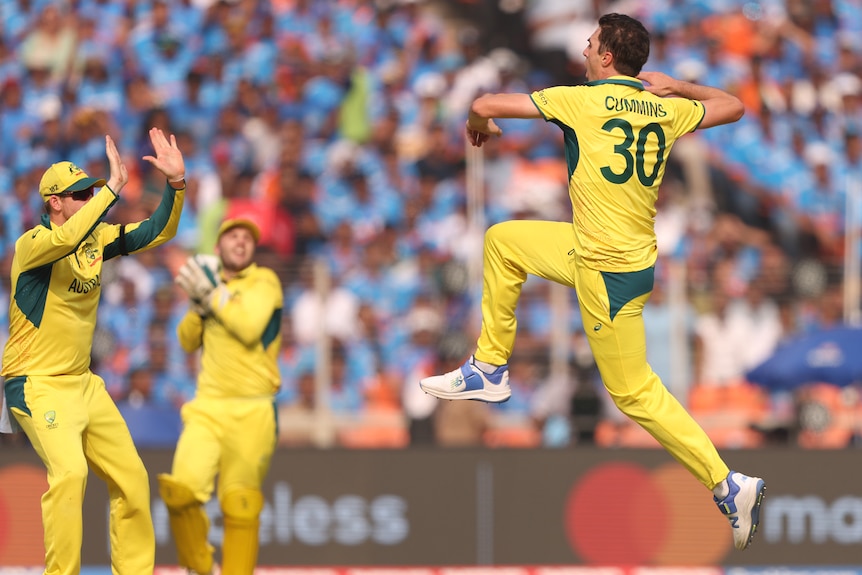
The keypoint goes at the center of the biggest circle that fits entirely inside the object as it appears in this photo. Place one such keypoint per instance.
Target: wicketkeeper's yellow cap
(232, 223)
(65, 176)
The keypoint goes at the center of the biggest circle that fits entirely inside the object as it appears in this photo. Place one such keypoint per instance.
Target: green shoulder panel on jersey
(272, 329)
(573, 150)
(31, 292)
(14, 390)
(147, 231)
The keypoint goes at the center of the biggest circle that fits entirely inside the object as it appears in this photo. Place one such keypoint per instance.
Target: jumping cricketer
(618, 133)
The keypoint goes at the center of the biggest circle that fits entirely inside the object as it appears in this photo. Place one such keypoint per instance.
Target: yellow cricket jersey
(241, 339)
(617, 139)
(57, 282)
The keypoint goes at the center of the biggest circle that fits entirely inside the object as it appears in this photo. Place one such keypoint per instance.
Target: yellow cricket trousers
(232, 437)
(612, 313)
(71, 422)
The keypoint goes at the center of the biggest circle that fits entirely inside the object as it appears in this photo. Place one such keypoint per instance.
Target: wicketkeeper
(230, 426)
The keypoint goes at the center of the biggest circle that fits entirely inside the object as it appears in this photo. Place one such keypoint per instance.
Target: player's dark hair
(625, 38)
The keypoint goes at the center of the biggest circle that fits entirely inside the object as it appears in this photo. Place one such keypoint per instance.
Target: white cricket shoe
(470, 382)
(742, 506)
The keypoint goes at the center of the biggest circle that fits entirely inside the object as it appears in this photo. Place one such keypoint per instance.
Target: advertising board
(435, 508)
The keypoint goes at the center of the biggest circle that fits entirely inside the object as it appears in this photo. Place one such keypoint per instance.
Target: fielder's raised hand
(119, 174)
(168, 159)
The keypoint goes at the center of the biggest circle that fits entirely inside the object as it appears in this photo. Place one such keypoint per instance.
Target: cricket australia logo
(50, 417)
(93, 255)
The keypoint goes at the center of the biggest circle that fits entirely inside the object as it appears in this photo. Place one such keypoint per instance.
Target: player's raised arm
(720, 107)
(480, 121)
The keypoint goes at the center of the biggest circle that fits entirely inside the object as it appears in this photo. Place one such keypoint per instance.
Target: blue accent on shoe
(474, 380)
(468, 381)
(742, 505)
(728, 504)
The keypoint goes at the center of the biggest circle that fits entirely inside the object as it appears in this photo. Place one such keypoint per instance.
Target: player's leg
(249, 445)
(512, 250)
(241, 508)
(189, 525)
(109, 448)
(190, 484)
(52, 414)
(612, 311)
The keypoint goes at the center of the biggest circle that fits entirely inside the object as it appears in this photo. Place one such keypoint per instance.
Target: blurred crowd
(338, 126)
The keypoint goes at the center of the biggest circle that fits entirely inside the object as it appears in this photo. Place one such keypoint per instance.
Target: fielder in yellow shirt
(618, 130)
(60, 404)
(230, 427)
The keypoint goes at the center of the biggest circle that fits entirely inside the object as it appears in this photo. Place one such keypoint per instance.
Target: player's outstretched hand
(168, 159)
(119, 174)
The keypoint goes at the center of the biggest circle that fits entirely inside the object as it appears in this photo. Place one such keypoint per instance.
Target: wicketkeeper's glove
(199, 278)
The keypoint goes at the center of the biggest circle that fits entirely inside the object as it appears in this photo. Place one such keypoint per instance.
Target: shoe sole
(478, 394)
(755, 511)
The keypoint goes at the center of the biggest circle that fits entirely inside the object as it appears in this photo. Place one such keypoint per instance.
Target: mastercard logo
(625, 514)
(21, 536)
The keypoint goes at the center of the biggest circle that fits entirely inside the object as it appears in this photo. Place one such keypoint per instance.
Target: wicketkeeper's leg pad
(241, 509)
(189, 525)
